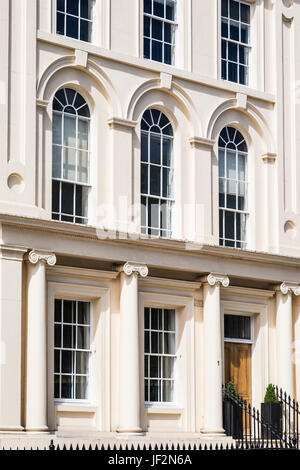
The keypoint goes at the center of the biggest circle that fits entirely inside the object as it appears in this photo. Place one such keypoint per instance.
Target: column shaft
(129, 359)
(285, 378)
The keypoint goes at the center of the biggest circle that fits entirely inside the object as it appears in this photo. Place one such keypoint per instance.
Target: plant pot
(271, 414)
(232, 419)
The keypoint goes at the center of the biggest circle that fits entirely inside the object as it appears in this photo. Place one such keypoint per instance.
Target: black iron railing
(245, 423)
(290, 417)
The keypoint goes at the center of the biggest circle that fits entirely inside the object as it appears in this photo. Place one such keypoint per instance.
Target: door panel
(238, 368)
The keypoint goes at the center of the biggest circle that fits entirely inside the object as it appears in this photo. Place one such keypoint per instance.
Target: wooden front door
(238, 368)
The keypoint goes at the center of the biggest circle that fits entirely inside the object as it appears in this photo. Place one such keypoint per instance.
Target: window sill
(156, 410)
(73, 408)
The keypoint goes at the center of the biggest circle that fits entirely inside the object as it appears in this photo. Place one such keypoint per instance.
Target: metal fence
(247, 425)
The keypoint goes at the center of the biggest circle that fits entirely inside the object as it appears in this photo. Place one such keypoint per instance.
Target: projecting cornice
(200, 142)
(114, 122)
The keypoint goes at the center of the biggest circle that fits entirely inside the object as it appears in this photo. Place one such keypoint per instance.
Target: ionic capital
(36, 256)
(130, 268)
(216, 279)
(292, 287)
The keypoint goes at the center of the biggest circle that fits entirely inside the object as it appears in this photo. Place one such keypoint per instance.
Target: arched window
(157, 173)
(233, 188)
(70, 157)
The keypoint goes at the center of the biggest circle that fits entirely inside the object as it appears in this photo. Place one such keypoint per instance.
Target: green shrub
(270, 396)
(230, 388)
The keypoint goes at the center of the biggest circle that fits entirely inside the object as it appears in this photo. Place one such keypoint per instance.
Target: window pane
(73, 7)
(168, 54)
(234, 31)
(55, 196)
(147, 6)
(69, 164)
(167, 151)
(169, 33)
(83, 313)
(155, 149)
(169, 320)
(82, 193)
(144, 179)
(168, 390)
(60, 23)
(81, 388)
(229, 225)
(144, 148)
(86, 8)
(147, 342)
(57, 310)
(146, 319)
(82, 362)
(245, 13)
(157, 51)
(224, 8)
(72, 26)
(147, 26)
(83, 134)
(67, 361)
(169, 343)
(154, 342)
(170, 10)
(57, 129)
(56, 386)
(232, 52)
(67, 198)
(83, 337)
(168, 367)
(85, 30)
(155, 188)
(66, 386)
(155, 390)
(155, 367)
(167, 182)
(57, 336)
(234, 10)
(56, 162)
(147, 48)
(68, 336)
(157, 28)
(69, 131)
(245, 37)
(158, 8)
(83, 164)
(69, 312)
(224, 28)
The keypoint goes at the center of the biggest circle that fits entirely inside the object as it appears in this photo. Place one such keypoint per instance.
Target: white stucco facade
(107, 262)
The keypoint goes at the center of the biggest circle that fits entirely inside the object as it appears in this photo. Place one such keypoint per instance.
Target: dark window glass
(147, 6)
(67, 198)
(73, 7)
(60, 23)
(158, 8)
(224, 11)
(147, 48)
(234, 10)
(72, 27)
(60, 5)
(237, 327)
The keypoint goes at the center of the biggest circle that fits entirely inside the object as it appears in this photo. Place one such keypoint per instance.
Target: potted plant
(232, 412)
(271, 414)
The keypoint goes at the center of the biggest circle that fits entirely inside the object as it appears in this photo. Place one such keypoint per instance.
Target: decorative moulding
(114, 122)
(241, 100)
(217, 279)
(132, 267)
(292, 287)
(166, 80)
(269, 157)
(81, 58)
(35, 256)
(200, 141)
(42, 104)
